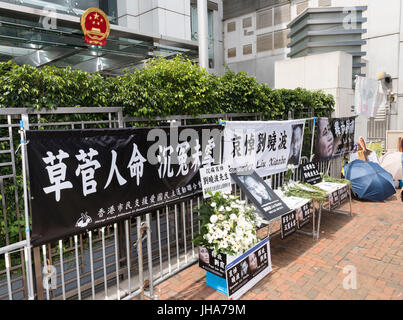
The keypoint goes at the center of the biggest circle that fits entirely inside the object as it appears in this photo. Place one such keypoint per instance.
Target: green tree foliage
(162, 87)
(166, 87)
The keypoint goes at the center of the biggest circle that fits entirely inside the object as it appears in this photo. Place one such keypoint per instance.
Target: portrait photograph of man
(296, 144)
(257, 189)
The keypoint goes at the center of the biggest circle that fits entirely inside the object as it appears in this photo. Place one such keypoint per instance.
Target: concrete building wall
(171, 18)
(330, 72)
(158, 17)
(384, 48)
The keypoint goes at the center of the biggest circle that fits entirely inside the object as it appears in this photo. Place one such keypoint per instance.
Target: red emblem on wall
(95, 25)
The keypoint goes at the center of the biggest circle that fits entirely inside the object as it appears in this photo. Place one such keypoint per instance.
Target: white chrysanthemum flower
(213, 204)
(213, 218)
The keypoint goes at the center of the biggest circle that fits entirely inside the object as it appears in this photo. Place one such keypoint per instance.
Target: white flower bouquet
(228, 225)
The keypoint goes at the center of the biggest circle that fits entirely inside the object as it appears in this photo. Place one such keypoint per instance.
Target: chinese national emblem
(95, 25)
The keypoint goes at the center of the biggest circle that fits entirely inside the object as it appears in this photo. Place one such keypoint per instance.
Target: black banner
(85, 179)
(333, 137)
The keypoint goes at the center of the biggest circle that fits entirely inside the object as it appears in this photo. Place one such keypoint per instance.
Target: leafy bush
(51, 87)
(166, 87)
(161, 88)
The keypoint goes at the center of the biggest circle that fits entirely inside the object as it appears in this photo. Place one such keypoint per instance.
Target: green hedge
(161, 88)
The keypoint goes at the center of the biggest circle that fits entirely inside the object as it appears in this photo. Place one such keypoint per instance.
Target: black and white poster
(214, 179)
(304, 214)
(334, 199)
(311, 173)
(333, 137)
(248, 269)
(264, 146)
(266, 201)
(211, 262)
(85, 179)
(288, 224)
(343, 194)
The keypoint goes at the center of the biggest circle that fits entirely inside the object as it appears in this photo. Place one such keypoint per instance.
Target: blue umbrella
(370, 181)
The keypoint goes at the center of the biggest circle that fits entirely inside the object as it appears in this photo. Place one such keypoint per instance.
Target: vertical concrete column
(203, 32)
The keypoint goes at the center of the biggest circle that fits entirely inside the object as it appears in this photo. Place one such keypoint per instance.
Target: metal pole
(10, 291)
(313, 137)
(62, 268)
(46, 267)
(191, 227)
(91, 265)
(27, 225)
(159, 241)
(77, 267)
(149, 253)
(184, 230)
(127, 231)
(202, 27)
(104, 262)
(115, 227)
(168, 242)
(318, 229)
(177, 236)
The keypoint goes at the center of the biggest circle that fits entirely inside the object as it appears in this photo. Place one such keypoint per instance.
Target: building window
(194, 29)
(231, 26)
(247, 49)
(247, 22)
(280, 39)
(232, 53)
(264, 19)
(73, 8)
(282, 14)
(264, 42)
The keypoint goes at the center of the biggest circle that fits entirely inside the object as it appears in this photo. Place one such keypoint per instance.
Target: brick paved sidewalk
(303, 268)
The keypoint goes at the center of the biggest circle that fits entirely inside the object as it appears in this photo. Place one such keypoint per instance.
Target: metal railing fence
(120, 261)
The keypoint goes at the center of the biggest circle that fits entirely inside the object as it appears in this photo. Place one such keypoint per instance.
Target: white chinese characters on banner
(264, 146)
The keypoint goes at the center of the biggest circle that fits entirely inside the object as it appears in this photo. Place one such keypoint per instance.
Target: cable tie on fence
(22, 142)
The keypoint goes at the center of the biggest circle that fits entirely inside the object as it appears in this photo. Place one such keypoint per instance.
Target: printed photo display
(85, 179)
(248, 269)
(333, 137)
(211, 262)
(264, 146)
(304, 213)
(343, 194)
(268, 204)
(338, 197)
